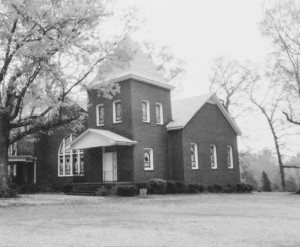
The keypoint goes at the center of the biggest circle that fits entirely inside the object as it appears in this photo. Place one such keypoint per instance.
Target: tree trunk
(4, 144)
(279, 155)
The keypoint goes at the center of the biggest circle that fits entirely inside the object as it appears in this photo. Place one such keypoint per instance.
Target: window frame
(98, 114)
(115, 111)
(230, 156)
(78, 153)
(196, 167)
(215, 166)
(13, 149)
(151, 168)
(147, 111)
(161, 114)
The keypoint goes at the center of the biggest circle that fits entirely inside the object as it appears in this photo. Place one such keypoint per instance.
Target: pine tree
(266, 183)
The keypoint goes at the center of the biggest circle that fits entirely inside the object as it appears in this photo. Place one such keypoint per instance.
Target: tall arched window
(70, 162)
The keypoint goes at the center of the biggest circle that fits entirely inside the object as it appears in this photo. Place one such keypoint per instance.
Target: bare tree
(229, 80)
(269, 100)
(281, 24)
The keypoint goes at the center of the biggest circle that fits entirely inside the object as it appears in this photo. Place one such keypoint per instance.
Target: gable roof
(99, 138)
(138, 67)
(185, 109)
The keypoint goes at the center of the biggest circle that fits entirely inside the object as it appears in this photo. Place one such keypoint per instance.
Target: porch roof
(21, 158)
(92, 138)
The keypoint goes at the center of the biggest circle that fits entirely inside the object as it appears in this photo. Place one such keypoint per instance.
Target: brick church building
(137, 135)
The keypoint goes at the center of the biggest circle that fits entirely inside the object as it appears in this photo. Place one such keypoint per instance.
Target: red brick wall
(46, 151)
(125, 127)
(147, 135)
(210, 127)
(150, 135)
(176, 169)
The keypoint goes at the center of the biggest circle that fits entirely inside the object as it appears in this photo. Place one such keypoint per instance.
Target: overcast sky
(199, 31)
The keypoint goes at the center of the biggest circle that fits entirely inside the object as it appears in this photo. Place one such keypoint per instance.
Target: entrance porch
(108, 156)
(22, 169)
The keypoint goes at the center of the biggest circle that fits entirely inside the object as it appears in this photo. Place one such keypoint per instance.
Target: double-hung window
(229, 157)
(117, 111)
(148, 159)
(12, 149)
(213, 157)
(100, 115)
(194, 156)
(159, 113)
(146, 111)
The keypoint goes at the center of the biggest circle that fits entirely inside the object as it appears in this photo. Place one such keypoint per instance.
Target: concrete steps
(85, 189)
(96, 189)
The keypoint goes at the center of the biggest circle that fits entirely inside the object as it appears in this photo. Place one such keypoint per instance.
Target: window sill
(67, 176)
(99, 125)
(117, 122)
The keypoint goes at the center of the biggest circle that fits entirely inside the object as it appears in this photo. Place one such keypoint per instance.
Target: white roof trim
(210, 97)
(92, 138)
(138, 78)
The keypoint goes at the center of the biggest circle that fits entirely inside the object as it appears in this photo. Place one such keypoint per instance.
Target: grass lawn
(258, 219)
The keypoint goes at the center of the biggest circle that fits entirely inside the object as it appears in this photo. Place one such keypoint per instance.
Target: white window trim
(114, 112)
(78, 153)
(148, 111)
(11, 148)
(230, 166)
(196, 156)
(151, 168)
(215, 157)
(97, 114)
(161, 114)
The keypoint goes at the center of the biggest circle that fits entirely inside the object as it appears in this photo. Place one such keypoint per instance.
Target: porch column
(34, 171)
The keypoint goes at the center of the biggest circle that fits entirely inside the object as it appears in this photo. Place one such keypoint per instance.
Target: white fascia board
(138, 78)
(226, 115)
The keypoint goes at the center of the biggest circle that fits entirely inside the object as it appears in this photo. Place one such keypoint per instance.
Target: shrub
(239, 188)
(209, 188)
(127, 190)
(171, 187)
(227, 188)
(201, 188)
(181, 188)
(157, 186)
(27, 189)
(244, 188)
(142, 185)
(291, 185)
(10, 193)
(67, 188)
(217, 188)
(249, 188)
(266, 183)
(192, 188)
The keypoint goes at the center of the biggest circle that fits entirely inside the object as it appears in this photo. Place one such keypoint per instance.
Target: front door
(110, 167)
